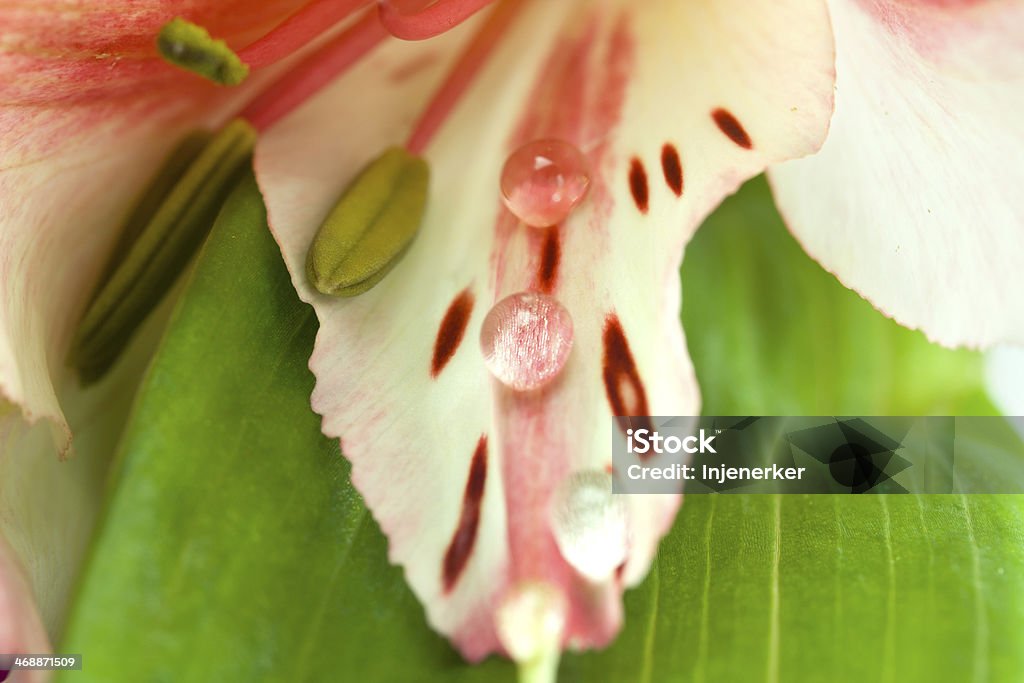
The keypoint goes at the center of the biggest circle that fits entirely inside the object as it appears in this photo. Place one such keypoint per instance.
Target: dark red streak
(672, 168)
(550, 255)
(451, 331)
(620, 373)
(461, 545)
(728, 124)
(638, 184)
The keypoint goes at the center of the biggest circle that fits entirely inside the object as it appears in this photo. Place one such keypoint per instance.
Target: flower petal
(87, 111)
(21, 630)
(912, 200)
(674, 106)
(47, 504)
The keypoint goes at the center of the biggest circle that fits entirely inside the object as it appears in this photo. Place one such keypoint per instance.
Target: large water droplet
(590, 524)
(543, 180)
(526, 339)
(530, 620)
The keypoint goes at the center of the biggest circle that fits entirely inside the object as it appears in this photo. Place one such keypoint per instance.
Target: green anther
(372, 225)
(176, 221)
(191, 47)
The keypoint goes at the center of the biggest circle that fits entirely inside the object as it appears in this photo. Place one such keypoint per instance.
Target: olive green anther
(371, 226)
(176, 213)
(191, 47)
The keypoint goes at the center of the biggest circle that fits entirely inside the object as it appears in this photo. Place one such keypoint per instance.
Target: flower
(673, 107)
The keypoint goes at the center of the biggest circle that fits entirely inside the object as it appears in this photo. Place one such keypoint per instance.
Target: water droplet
(543, 180)
(530, 620)
(526, 339)
(590, 524)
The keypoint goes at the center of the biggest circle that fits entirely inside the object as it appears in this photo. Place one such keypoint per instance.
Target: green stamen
(176, 222)
(191, 47)
(174, 166)
(371, 227)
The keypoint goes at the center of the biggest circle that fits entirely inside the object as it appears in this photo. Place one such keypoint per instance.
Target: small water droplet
(526, 339)
(530, 620)
(590, 524)
(543, 180)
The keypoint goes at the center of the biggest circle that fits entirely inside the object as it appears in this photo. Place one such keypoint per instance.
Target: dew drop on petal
(590, 524)
(526, 339)
(543, 180)
(530, 620)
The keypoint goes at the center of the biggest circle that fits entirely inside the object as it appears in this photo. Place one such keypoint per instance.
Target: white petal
(914, 200)
(621, 81)
(48, 504)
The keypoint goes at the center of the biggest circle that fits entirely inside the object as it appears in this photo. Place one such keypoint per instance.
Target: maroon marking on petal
(638, 184)
(550, 256)
(451, 331)
(626, 392)
(461, 545)
(673, 168)
(728, 124)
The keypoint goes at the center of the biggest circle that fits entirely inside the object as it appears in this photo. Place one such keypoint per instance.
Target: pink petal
(460, 471)
(87, 110)
(914, 199)
(21, 630)
(60, 53)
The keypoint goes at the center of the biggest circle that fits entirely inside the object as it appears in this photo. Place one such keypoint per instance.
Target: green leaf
(233, 547)
(827, 588)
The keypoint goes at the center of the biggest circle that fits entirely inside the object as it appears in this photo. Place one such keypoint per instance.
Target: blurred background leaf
(234, 549)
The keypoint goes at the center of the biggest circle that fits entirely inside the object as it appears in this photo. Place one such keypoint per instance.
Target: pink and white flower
(888, 129)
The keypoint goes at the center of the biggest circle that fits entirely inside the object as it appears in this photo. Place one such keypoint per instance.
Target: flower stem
(297, 30)
(541, 669)
(429, 22)
(315, 71)
(462, 74)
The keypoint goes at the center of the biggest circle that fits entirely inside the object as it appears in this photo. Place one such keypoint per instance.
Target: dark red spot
(451, 331)
(673, 168)
(626, 392)
(728, 124)
(461, 545)
(550, 255)
(638, 184)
